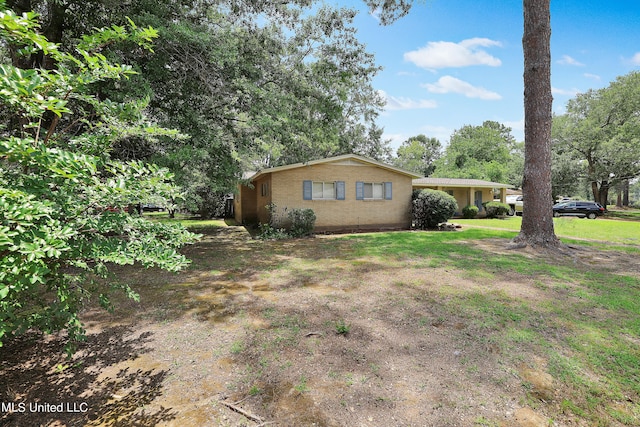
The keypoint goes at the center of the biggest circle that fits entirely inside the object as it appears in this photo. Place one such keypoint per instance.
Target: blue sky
(450, 63)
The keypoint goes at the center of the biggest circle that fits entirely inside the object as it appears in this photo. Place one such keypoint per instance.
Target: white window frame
(372, 186)
(324, 190)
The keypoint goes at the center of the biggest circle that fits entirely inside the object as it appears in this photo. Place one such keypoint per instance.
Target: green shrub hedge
(432, 207)
(470, 211)
(496, 209)
(302, 222)
(288, 223)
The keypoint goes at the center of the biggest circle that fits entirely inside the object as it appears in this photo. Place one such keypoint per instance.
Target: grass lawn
(602, 229)
(393, 329)
(630, 214)
(188, 221)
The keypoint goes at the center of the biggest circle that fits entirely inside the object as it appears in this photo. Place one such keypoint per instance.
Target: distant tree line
(596, 143)
(595, 148)
(488, 152)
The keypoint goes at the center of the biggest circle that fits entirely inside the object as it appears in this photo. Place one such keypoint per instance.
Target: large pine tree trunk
(537, 219)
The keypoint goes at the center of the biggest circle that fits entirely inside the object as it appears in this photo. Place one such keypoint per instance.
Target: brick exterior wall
(285, 190)
(263, 197)
(245, 205)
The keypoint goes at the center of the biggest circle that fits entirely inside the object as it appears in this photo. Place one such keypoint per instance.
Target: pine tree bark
(537, 219)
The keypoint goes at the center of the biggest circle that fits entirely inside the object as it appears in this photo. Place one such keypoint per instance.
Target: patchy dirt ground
(291, 334)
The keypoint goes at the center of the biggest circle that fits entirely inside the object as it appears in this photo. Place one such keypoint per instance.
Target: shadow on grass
(229, 268)
(35, 371)
(231, 273)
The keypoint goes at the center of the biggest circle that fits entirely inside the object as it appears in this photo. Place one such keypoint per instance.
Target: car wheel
(591, 215)
(511, 212)
(556, 214)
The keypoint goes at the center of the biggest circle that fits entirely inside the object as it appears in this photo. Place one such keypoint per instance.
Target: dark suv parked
(590, 210)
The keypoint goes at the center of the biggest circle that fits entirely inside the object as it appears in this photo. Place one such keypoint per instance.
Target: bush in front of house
(496, 209)
(302, 222)
(470, 211)
(268, 232)
(432, 207)
(274, 229)
(289, 223)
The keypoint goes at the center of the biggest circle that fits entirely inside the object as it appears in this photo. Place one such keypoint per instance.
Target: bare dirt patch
(293, 333)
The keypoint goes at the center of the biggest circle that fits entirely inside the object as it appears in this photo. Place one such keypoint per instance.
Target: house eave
(343, 157)
(456, 183)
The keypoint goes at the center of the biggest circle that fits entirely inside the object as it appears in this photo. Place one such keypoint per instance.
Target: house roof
(457, 182)
(344, 157)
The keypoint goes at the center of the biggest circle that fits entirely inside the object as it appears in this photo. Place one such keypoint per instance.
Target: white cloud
(448, 54)
(394, 103)
(514, 125)
(567, 60)
(449, 84)
(636, 59)
(592, 76)
(375, 14)
(517, 128)
(568, 92)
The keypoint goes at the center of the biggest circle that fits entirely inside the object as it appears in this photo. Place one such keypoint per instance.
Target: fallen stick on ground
(242, 411)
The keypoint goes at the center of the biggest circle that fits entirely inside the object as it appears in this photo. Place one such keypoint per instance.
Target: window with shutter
(319, 190)
(340, 190)
(307, 190)
(373, 191)
(359, 190)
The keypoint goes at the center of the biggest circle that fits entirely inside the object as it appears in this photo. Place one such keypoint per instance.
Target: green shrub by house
(470, 211)
(432, 207)
(302, 222)
(298, 223)
(496, 209)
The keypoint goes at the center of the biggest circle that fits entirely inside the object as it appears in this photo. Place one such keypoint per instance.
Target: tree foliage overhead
(62, 195)
(599, 136)
(252, 83)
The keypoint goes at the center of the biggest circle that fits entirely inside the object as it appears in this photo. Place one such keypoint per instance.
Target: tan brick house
(347, 193)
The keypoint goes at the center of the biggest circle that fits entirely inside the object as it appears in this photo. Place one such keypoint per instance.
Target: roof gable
(344, 160)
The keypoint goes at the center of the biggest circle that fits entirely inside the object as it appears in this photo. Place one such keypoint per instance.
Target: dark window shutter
(359, 190)
(307, 188)
(340, 190)
(387, 191)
